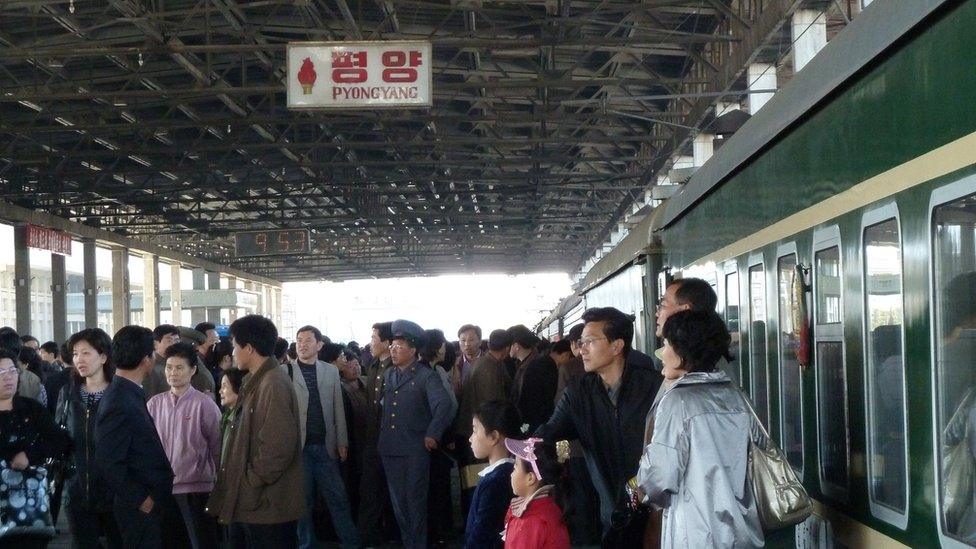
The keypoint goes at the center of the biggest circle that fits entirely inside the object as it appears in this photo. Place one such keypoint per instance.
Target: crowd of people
(181, 437)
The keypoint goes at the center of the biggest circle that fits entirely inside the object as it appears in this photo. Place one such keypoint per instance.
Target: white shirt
(484, 472)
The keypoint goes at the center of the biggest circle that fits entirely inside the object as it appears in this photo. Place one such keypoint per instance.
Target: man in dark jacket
(375, 509)
(585, 528)
(536, 378)
(128, 453)
(605, 410)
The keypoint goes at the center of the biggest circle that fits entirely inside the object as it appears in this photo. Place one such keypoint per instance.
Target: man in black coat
(536, 378)
(128, 453)
(605, 410)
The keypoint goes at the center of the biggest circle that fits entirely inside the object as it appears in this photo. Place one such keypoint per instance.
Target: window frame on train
(731, 271)
(782, 252)
(825, 239)
(941, 196)
(879, 215)
(764, 412)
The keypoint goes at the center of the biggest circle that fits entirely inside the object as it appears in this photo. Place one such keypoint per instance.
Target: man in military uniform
(416, 411)
(374, 496)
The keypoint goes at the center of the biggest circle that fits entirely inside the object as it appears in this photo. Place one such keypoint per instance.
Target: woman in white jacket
(696, 465)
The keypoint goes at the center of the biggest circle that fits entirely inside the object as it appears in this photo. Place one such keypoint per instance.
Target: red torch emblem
(306, 76)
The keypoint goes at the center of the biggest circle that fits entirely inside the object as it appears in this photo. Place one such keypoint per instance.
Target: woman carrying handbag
(709, 456)
(28, 439)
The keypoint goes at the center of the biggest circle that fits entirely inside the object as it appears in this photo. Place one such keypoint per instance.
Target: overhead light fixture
(30, 105)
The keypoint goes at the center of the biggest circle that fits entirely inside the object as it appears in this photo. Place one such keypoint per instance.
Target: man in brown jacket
(259, 491)
(489, 380)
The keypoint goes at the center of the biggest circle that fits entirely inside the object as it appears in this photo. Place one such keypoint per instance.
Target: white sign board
(359, 75)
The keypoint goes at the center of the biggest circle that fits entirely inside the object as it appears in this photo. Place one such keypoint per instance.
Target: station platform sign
(359, 75)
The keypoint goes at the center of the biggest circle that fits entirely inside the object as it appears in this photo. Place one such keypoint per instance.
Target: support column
(683, 161)
(276, 307)
(259, 289)
(22, 279)
(198, 314)
(725, 107)
(249, 286)
(269, 305)
(176, 295)
(59, 296)
(91, 284)
(809, 36)
(213, 283)
(761, 76)
(232, 284)
(150, 290)
(121, 299)
(702, 148)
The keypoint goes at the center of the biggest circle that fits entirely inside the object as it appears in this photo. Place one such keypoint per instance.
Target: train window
(791, 421)
(954, 284)
(828, 277)
(885, 368)
(732, 321)
(831, 374)
(757, 341)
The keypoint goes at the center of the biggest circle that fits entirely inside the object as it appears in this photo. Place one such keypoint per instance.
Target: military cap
(192, 336)
(409, 331)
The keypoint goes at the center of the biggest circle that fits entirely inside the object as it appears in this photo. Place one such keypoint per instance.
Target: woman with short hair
(89, 502)
(696, 465)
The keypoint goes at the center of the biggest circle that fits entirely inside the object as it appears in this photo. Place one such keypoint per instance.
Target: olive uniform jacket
(489, 381)
(260, 476)
(374, 380)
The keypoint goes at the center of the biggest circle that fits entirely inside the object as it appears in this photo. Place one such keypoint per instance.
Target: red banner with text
(52, 240)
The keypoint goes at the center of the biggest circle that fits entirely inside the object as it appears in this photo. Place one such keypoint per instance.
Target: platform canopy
(166, 121)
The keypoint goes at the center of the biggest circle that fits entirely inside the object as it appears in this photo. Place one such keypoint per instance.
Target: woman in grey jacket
(696, 465)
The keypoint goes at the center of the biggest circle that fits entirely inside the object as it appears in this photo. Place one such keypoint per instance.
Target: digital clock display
(272, 242)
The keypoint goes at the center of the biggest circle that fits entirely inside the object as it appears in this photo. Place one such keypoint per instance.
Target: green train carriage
(863, 172)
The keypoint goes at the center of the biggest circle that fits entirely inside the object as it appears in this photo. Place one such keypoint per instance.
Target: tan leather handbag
(781, 499)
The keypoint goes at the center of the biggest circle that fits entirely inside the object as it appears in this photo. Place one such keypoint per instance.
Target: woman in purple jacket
(188, 423)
